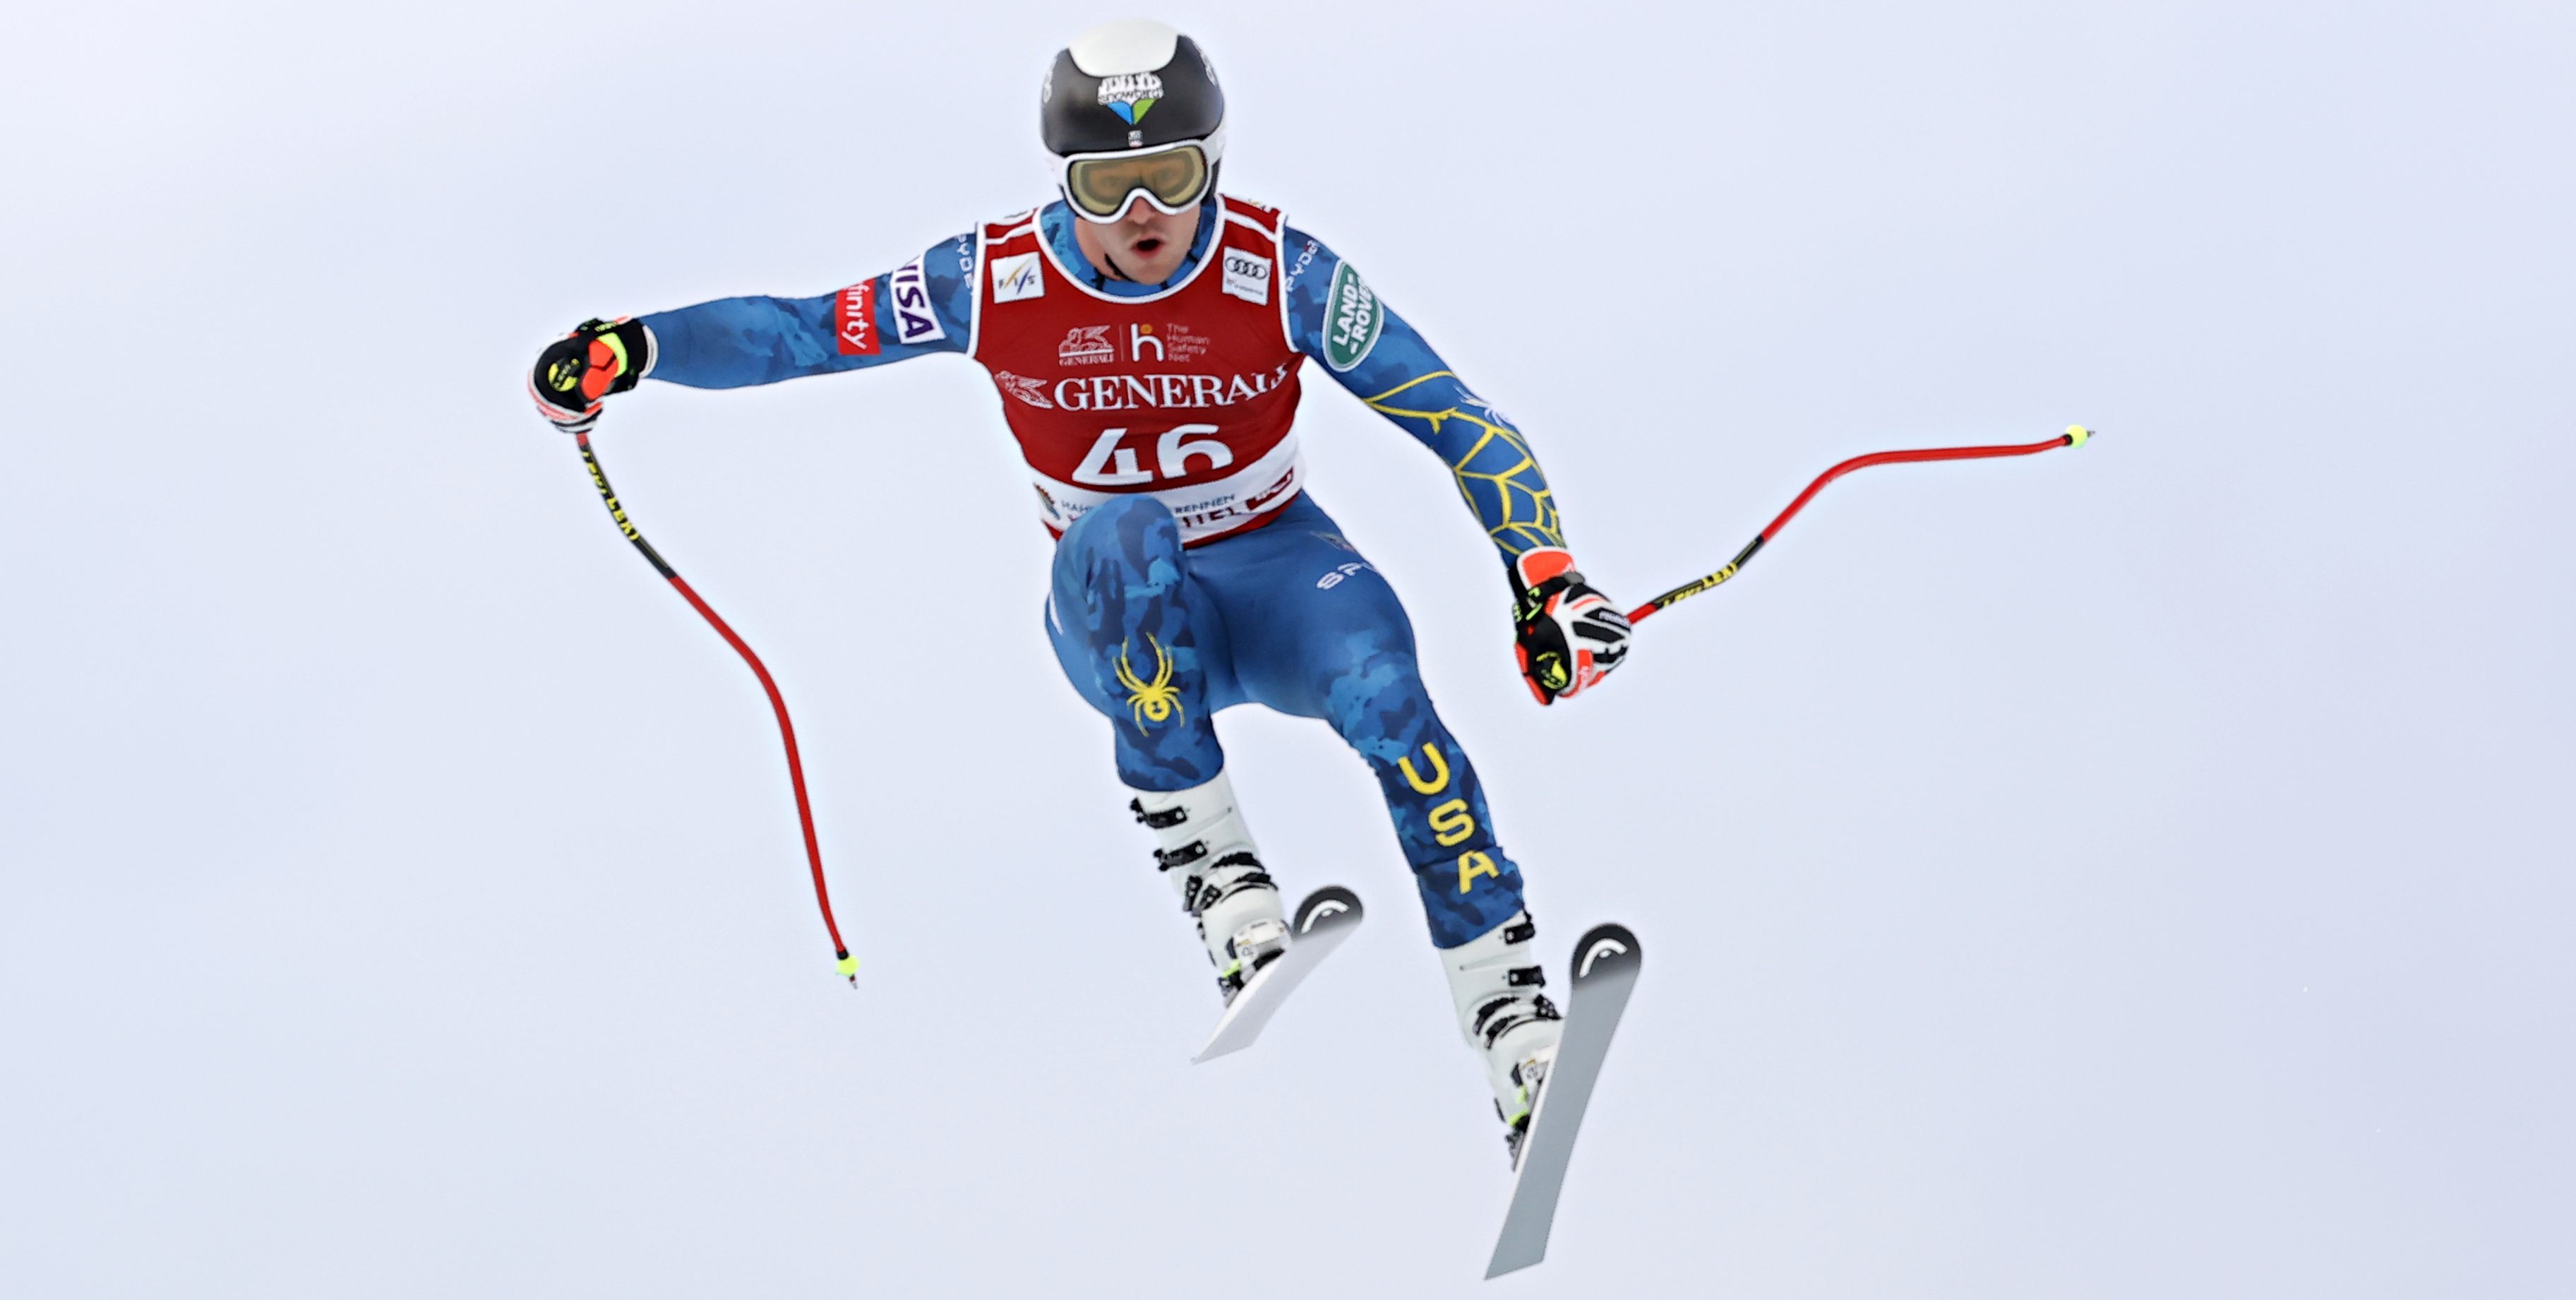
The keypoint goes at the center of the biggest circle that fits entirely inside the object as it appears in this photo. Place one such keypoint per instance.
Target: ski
(1605, 971)
(1327, 917)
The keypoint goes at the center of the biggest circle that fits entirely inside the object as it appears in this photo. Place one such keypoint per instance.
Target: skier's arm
(914, 310)
(1384, 362)
(918, 308)
(1568, 634)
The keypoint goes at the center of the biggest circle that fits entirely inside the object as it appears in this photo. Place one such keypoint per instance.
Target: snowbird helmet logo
(1155, 701)
(1130, 94)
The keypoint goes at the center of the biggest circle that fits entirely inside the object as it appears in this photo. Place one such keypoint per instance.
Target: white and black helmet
(1132, 110)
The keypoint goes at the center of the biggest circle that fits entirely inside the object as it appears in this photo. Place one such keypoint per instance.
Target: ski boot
(1495, 980)
(1208, 854)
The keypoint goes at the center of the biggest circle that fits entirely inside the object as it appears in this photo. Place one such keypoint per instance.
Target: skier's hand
(1569, 636)
(577, 371)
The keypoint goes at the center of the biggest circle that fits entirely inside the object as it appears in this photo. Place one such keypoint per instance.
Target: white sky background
(2140, 871)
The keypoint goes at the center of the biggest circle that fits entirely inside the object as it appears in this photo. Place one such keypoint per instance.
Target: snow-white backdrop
(2139, 871)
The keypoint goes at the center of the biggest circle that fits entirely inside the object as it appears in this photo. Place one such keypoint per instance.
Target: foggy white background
(2138, 871)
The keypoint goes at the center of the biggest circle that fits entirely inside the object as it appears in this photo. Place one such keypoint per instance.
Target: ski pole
(2075, 436)
(845, 964)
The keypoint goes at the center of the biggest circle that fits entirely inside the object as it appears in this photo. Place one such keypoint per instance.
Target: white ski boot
(1209, 855)
(1495, 980)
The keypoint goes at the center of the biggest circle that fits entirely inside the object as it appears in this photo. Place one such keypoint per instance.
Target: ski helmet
(1131, 110)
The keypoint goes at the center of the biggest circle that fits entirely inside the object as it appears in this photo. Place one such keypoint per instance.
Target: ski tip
(2077, 435)
(1331, 907)
(1606, 950)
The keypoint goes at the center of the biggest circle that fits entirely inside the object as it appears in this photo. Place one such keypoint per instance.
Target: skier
(1146, 334)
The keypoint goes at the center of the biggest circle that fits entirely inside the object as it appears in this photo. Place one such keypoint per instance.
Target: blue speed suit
(1288, 615)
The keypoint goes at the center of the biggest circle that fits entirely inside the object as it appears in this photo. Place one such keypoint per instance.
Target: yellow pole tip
(2077, 434)
(848, 966)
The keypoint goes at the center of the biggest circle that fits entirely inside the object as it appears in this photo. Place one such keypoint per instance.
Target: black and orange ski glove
(576, 372)
(1567, 634)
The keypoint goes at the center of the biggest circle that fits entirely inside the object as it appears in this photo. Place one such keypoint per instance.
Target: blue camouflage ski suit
(1288, 615)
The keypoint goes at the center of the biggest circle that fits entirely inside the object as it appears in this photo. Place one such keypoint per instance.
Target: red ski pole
(846, 964)
(2075, 436)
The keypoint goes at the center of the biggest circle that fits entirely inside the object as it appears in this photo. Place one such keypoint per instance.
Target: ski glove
(576, 372)
(1569, 636)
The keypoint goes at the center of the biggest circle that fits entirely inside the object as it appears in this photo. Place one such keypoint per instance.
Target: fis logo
(1155, 701)
(1017, 278)
(1130, 95)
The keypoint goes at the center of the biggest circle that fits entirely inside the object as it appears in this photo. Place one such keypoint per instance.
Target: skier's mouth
(1146, 247)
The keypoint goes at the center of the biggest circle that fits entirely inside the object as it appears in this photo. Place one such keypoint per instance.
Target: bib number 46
(1111, 465)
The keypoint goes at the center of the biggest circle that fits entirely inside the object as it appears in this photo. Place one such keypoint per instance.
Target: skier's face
(1145, 246)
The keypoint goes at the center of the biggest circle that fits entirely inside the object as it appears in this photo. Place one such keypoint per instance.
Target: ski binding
(1323, 921)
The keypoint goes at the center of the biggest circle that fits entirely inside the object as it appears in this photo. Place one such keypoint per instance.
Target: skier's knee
(1378, 704)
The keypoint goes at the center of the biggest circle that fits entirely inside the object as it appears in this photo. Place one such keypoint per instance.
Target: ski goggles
(1101, 187)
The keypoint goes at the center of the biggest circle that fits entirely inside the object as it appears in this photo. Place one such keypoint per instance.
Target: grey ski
(1327, 917)
(1606, 961)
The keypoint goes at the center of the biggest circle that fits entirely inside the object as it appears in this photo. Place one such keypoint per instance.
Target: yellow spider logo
(1157, 700)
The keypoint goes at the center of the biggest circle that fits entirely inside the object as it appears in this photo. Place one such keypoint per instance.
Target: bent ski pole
(844, 963)
(2074, 436)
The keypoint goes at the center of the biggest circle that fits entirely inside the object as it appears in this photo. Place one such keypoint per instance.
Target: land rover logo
(1353, 320)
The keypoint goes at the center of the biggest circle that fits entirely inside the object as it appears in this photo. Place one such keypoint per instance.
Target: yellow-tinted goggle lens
(1175, 176)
